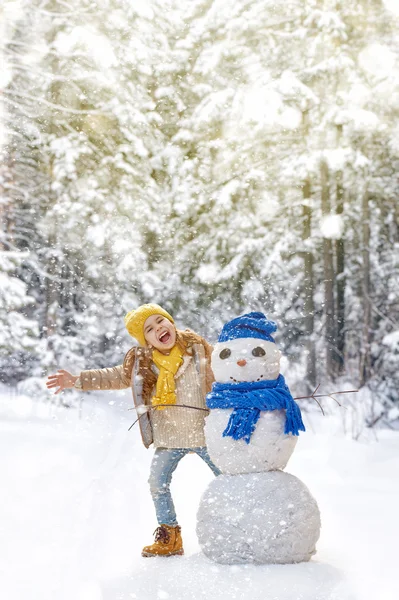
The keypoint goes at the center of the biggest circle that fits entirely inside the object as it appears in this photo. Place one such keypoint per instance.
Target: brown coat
(137, 372)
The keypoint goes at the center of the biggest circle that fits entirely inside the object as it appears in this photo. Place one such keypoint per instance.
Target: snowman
(254, 512)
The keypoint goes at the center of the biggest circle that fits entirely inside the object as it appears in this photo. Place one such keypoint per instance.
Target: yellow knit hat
(135, 319)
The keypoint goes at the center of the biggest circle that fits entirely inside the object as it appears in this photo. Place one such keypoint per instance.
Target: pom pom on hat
(135, 319)
(250, 325)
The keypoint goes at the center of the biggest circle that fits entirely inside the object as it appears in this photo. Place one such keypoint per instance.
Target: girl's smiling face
(160, 333)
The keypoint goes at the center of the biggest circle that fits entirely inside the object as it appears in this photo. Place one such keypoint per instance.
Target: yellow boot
(168, 542)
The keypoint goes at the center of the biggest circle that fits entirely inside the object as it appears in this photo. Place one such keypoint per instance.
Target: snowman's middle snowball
(270, 448)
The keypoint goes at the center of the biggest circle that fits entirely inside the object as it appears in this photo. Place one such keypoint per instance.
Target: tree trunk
(328, 267)
(309, 288)
(340, 281)
(365, 349)
(52, 261)
(52, 293)
(7, 224)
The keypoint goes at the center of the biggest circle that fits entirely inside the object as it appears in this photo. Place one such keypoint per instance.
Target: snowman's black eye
(225, 353)
(258, 351)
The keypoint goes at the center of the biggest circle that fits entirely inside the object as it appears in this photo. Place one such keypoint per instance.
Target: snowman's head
(246, 350)
(245, 359)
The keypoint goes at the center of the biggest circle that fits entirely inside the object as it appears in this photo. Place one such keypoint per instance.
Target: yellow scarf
(168, 365)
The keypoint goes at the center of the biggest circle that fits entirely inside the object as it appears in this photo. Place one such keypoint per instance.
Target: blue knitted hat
(250, 325)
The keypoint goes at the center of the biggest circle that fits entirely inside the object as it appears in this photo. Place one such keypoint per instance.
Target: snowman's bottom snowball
(261, 518)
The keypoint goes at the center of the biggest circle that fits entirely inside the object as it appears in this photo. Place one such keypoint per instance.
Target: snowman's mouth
(242, 381)
(165, 337)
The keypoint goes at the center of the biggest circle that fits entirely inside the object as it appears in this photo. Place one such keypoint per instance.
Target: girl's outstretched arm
(61, 380)
(113, 378)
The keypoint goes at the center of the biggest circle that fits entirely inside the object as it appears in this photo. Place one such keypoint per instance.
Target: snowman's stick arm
(335, 400)
(326, 395)
(314, 396)
(346, 392)
(138, 419)
(180, 406)
(169, 406)
(155, 406)
(321, 408)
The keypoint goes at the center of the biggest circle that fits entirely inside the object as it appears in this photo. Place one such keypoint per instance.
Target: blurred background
(214, 157)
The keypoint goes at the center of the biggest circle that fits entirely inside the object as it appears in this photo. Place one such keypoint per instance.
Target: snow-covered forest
(214, 157)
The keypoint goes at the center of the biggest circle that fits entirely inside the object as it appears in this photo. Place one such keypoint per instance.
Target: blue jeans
(163, 465)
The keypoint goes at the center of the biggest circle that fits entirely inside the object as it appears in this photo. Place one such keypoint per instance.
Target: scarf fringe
(242, 424)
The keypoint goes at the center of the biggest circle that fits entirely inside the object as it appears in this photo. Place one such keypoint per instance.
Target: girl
(169, 374)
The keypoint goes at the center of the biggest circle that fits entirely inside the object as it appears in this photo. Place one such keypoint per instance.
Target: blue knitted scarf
(250, 398)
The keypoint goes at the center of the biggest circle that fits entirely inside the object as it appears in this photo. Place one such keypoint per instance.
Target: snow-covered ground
(76, 511)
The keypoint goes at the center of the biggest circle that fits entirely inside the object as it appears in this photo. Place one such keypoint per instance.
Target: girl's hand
(62, 379)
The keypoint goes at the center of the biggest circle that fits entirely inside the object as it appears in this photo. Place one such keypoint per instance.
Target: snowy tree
(216, 158)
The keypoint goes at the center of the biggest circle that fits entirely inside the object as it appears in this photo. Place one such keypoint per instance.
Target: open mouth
(164, 338)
